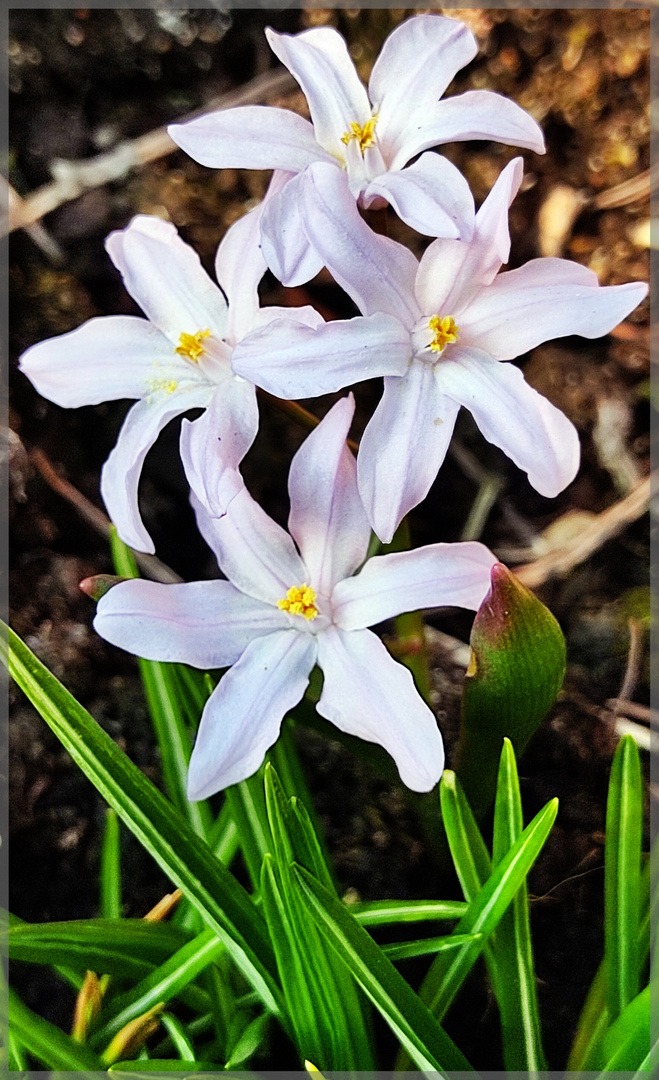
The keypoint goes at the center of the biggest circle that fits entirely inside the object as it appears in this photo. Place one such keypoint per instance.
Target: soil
(81, 82)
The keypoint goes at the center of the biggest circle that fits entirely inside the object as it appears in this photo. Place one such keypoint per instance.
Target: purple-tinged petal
(250, 137)
(305, 315)
(207, 624)
(403, 446)
(431, 196)
(478, 114)
(243, 716)
(327, 519)
(111, 357)
(255, 553)
(542, 300)
(121, 472)
(439, 575)
(165, 276)
(297, 361)
(529, 429)
(213, 446)
(416, 64)
(239, 263)
(318, 59)
(375, 271)
(366, 693)
(286, 247)
(451, 272)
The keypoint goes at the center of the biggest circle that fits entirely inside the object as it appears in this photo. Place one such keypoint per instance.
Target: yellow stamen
(365, 135)
(445, 331)
(299, 601)
(190, 345)
(165, 386)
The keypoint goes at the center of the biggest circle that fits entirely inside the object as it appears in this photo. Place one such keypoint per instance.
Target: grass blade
(110, 876)
(512, 951)
(181, 853)
(622, 876)
(47, 1043)
(427, 1044)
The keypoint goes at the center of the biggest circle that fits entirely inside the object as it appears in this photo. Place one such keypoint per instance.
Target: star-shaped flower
(179, 358)
(293, 601)
(462, 318)
(368, 136)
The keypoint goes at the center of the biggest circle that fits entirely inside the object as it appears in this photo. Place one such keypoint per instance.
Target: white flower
(462, 318)
(369, 137)
(286, 608)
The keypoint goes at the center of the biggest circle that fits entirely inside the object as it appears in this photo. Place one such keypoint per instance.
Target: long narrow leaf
(512, 950)
(428, 1045)
(222, 902)
(449, 971)
(165, 982)
(110, 876)
(385, 912)
(47, 1043)
(622, 876)
(128, 947)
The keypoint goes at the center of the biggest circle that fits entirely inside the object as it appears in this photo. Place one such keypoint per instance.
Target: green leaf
(186, 859)
(111, 868)
(385, 912)
(427, 946)
(427, 1044)
(516, 670)
(322, 996)
(47, 1043)
(627, 1041)
(249, 1042)
(449, 971)
(168, 707)
(512, 951)
(160, 1065)
(167, 981)
(126, 947)
(622, 876)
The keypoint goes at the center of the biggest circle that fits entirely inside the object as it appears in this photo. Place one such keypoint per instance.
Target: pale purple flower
(368, 136)
(293, 601)
(179, 358)
(463, 318)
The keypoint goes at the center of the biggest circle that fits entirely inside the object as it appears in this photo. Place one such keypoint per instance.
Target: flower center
(445, 332)
(299, 600)
(365, 135)
(190, 345)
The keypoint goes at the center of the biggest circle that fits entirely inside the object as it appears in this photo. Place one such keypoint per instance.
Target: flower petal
(451, 272)
(250, 137)
(375, 271)
(207, 624)
(327, 519)
(529, 429)
(318, 59)
(431, 196)
(286, 247)
(239, 263)
(165, 276)
(111, 357)
(255, 553)
(366, 693)
(242, 717)
(297, 361)
(403, 446)
(213, 446)
(438, 575)
(416, 63)
(121, 472)
(478, 114)
(545, 299)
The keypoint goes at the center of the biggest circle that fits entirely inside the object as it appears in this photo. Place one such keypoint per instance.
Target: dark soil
(81, 82)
